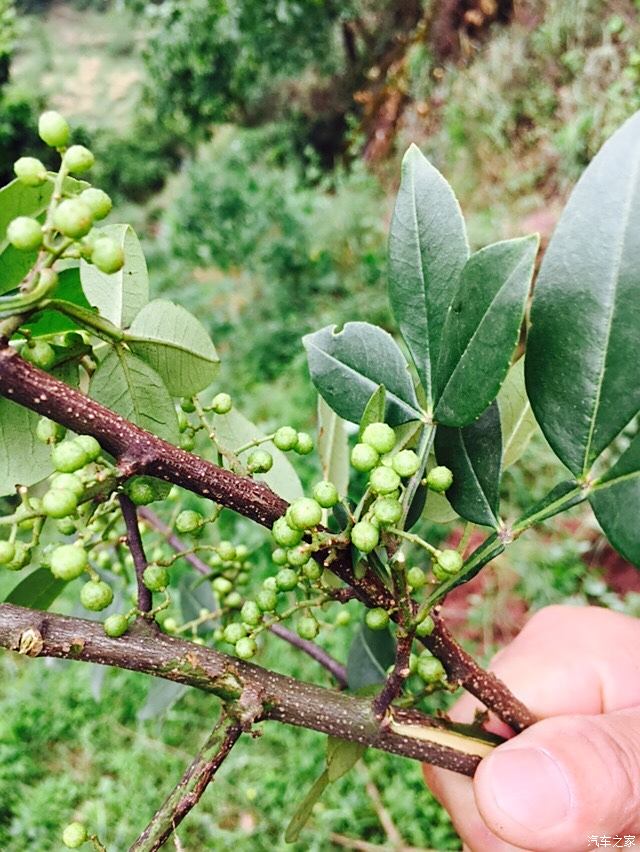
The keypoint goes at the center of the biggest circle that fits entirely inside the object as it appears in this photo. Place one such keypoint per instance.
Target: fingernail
(529, 787)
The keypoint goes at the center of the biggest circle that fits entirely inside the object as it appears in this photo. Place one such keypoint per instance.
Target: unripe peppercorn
(267, 600)
(98, 202)
(279, 556)
(430, 669)
(383, 480)
(450, 561)
(233, 632)
(364, 458)
(439, 573)
(68, 561)
(107, 255)
(96, 595)
(68, 482)
(187, 405)
(416, 577)
(226, 551)
(187, 442)
(233, 600)
(304, 444)
(66, 526)
(49, 432)
(387, 510)
(326, 494)
(59, 503)
(155, 578)
(246, 648)
(365, 536)
(311, 570)
(30, 171)
(7, 552)
(259, 461)
(221, 403)
(377, 618)
(73, 218)
(405, 463)
(343, 618)
(221, 585)
(170, 625)
(90, 446)
(297, 556)
(78, 159)
(380, 436)
(285, 438)
(188, 521)
(439, 479)
(141, 491)
(304, 514)
(284, 535)
(307, 627)
(68, 457)
(53, 129)
(25, 233)
(242, 552)
(426, 626)
(115, 625)
(251, 613)
(40, 353)
(74, 835)
(286, 579)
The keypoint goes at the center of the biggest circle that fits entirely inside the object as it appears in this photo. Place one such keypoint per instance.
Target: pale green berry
(311, 570)
(286, 579)
(107, 255)
(380, 436)
(68, 482)
(416, 577)
(383, 480)
(155, 578)
(297, 556)
(7, 552)
(387, 510)
(49, 432)
(25, 233)
(259, 461)
(267, 600)
(98, 202)
(285, 438)
(365, 536)
(405, 463)
(226, 551)
(364, 458)
(430, 669)
(188, 521)
(115, 625)
(68, 561)
(326, 494)
(450, 561)
(53, 129)
(284, 535)
(304, 514)
(221, 403)
(246, 648)
(96, 595)
(307, 627)
(59, 503)
(30, 171)
(376, 618)
(73, 218)
(90, 446)
(304, 444)
(279, 556)
(75, 834)
(426, 626)
(78, 159)
(439, 479)
(234, 632)
(251, 613)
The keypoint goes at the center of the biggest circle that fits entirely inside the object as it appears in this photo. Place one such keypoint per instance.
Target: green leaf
(333, 447)
(427, 251)
(342, 755)
(234, 429)
(374, 410)
(304, 809)
(482, 329)
(69, 289)
(474, 454)
(23, 459)
(176, 345)
(582, 365)
(347, 366)
(121, 295)
(561, 497)
(516, 417)
(38, 590)
(133, 389)
(615, 499)
(370, 655)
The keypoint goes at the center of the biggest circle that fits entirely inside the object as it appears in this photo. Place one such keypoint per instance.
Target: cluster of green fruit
(72, 213)
(220, 404)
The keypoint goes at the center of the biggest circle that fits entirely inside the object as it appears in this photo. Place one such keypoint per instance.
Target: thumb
(564, 780)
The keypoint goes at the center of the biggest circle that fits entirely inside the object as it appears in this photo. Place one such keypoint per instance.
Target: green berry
(66, 526)
(97, 201)
(233, 600)
(304, 514)
(25, 233)
(439, 573)
(439, 479)
(326, 494)
(78, 159)
(251, 613)
(69, 561)
(304, 444)
(40, 353)
(30, 171)
(311, 570)
(189, 521)
(426, 626)
(7, 552)
(107, 255)
(365, 536)
(380, 436)
(68, 482)
(53, 129)
(26, 523)
(187, 405)
(75, 834)
(383, 480)
(364, 458)
(376, 618)
(49, 432)
(59, 503)
(416, 577)
(246, 648)
(405, 463)
(450, 561)
(222, 585)
(307, 627)
(297, 556)
(155, 578)
(259, 461)
(285, 438)
(284, 535)
(187, 442)
(430, 669)
(342, 618)
(387, 510)
(115, 625)
(267, 600)
(242, 552)
(68, 457)
(90, 446)
(279, 556)
(96, 595)
(221, 403)
(73, 218)
(234, 632)
(141, 490)
(170, 625)
(226, 551)
(286, 579)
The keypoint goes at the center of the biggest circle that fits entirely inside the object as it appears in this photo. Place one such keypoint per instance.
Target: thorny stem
(134, 539)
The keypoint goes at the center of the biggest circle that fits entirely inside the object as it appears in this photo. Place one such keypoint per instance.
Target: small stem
(424, 448)
(145, 600)
(255, 443)
(173, 541)
(415, 539)
(395, 681)
(314, 651)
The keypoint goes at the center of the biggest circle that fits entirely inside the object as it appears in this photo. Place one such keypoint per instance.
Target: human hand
(576, 773)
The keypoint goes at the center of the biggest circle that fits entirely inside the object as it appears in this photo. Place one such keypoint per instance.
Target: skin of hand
(575, 773)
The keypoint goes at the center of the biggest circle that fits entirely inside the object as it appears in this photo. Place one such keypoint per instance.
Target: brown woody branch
(134, 540)
(138, 452)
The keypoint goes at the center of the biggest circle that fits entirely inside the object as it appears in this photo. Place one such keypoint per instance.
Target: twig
(384, 817)
(188, 792)
(174, 541)
(317, 653)
(134, 540)
(398, 675)
(364, 846)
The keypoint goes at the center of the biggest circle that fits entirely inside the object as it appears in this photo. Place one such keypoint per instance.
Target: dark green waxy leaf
(370, 655)
(133, 389)
(176, 345)
(342, 755)
(348, 366)
(38, 590)
(120, 295)
(616, 503)
(23, 459)
(482, 329)
(374, 410)
(304, 809)
(582, 366)
(333, 447)
(195, 595)
(474, 454)
(516, 417)
(427, 250)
